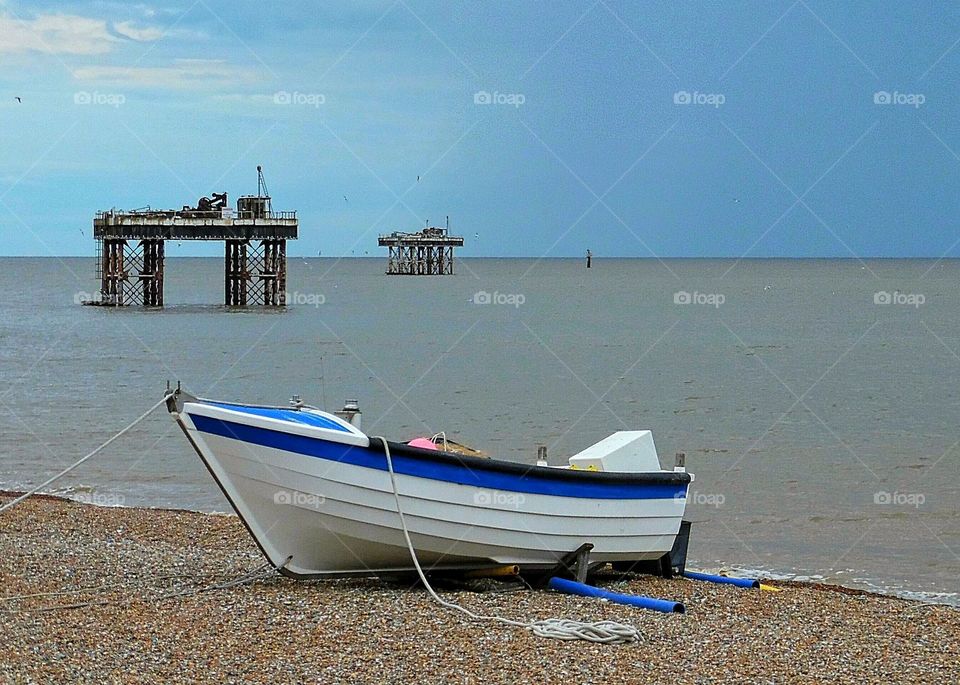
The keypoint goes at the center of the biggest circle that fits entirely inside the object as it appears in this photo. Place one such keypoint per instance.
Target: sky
(786, 128)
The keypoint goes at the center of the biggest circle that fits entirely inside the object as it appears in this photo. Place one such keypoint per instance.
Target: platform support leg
(235, 273)
(151, 272)
(112, 272)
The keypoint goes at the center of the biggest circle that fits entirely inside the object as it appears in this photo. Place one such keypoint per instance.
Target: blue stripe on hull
(475, 476)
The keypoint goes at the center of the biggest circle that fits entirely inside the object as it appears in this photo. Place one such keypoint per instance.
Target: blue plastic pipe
(739, 582)
(574, 588)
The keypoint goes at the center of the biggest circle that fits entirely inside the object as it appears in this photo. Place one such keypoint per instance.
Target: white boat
(316, 495)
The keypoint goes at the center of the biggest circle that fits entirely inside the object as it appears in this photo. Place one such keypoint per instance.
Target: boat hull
(321, 502)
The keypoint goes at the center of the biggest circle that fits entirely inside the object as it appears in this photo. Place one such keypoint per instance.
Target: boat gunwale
(513, 467)
(469, 462)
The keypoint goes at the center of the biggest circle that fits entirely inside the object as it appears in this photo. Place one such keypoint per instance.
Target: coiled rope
(34, 491)
(603, 632)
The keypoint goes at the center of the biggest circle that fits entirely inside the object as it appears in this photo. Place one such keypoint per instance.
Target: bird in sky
(17, 98)
(418, 179)
(345, 199)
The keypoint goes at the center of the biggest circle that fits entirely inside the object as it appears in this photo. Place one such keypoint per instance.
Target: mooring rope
(604, 632)
(18, 500)
(262, 572)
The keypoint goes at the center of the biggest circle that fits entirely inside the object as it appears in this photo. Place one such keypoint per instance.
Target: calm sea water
(817, 401)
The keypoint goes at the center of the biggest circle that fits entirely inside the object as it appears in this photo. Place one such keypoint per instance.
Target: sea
(816, 401)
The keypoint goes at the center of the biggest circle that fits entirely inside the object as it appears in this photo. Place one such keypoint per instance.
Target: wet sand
(102, 595)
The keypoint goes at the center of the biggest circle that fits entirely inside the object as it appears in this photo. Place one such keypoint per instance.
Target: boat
(315, 493)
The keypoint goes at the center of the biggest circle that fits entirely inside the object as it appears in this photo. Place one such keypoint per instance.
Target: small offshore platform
(130, 248)
(426, 253)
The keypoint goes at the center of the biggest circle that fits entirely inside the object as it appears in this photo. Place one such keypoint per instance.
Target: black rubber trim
(546, 472)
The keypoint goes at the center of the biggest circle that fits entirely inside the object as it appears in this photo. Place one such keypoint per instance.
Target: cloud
(183, 74)
(63, 34)
(148, 11)
(242, 98)
(143, 35)
(68, 34)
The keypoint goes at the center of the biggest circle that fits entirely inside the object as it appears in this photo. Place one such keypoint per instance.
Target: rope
(604, 632)
(100, 589)
(262, 572)
(10, 505)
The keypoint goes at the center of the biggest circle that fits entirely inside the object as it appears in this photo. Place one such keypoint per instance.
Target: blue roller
(573, 588)
(739, 582)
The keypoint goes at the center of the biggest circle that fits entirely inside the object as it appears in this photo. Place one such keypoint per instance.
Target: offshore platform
(426, 253)
(130, 248)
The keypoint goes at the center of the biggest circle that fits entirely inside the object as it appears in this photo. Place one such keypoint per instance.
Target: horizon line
(531, 258)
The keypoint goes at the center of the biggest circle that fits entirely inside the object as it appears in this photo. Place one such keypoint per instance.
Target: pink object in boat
(423, 443)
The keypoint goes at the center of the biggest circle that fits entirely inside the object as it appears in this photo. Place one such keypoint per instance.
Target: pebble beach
(117, 595)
